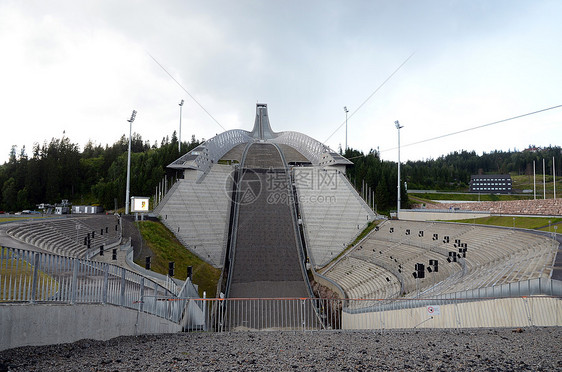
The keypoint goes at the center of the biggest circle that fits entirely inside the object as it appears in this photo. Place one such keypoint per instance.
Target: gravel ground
(532, 349)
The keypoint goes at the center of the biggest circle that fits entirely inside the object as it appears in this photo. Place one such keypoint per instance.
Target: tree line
(97, 175)
(450, 172)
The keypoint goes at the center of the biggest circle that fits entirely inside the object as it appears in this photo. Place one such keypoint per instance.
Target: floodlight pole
(346, 111)
(543, 180)
(534, 182)
(554, 177)
(398, 126)
(179, 139)
(133, 115)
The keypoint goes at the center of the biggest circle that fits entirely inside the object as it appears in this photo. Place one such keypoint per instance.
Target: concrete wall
(330, 284)
(541, 207)
(432, 215)
(505, 312)
(44, 324)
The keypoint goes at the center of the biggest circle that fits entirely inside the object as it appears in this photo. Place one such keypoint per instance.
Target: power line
(372, 94)
(477, 127)
(185, 90)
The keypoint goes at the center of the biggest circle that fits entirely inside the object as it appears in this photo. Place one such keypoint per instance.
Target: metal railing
(313, 314)
(33, 277)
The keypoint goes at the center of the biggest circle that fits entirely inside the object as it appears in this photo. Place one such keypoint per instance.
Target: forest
(447, 173)
(97, 175)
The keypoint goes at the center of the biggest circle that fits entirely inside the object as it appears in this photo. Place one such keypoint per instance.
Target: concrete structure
(440, 215)
(45, 324)
(209, 153)
(499, 312)
(198, 208)
(72, 237)
(493, 257)
(332, 212)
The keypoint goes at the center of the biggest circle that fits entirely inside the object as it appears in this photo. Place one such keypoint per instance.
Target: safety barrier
(307, 314)
(36, 277)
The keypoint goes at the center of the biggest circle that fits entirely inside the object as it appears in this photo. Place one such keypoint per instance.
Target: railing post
(141, 302)
(155, 303)
(122, 298)
(205, 327)
(35, 277)
(74, 283)
(105, 284)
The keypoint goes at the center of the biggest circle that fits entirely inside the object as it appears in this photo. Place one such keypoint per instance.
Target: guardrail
(308, 314)
(33, 277)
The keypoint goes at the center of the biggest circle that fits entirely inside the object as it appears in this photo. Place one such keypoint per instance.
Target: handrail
(38, 277)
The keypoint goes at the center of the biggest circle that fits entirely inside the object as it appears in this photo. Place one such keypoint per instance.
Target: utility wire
(474, 128)
(372, 94)
(185, 90)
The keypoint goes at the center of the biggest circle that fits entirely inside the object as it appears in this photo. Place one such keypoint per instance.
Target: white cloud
(83, 67)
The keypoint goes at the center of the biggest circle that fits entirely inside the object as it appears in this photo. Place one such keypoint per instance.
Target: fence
(28, 276)
(226, 315)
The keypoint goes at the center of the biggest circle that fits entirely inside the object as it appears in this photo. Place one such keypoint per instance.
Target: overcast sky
(83, 66)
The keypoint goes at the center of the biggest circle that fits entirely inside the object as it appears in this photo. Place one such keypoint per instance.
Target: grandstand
(71, 237)
(197, 211)
(332, 212)
(493, 257)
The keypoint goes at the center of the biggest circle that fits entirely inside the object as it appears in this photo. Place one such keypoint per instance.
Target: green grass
(167, 248)
(534, 223)
(419, 200)
(17, 271)
(525, 182)
(24, 217)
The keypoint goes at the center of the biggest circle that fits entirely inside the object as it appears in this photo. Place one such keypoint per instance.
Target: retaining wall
(434, 215)
(44, 324)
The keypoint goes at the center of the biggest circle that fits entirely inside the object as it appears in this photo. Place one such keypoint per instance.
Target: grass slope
(14, 272)
(167, 248)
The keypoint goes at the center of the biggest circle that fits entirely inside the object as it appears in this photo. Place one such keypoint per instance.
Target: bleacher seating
(494, 256)
(363, 279)
(197, 211)
(332, 212)
(68, 236)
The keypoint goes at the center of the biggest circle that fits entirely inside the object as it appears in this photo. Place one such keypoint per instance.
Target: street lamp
(346, 111)
(133, 115)
(179, 139)
(398, 126)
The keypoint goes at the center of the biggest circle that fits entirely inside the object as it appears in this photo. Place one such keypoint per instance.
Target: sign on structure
(433, 310)
(139, 204)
